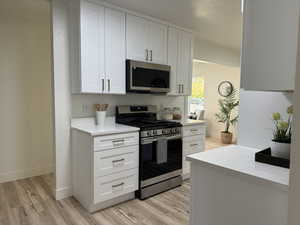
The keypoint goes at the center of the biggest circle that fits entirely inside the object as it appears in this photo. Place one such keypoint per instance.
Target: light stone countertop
(89, 126)
(241, 160)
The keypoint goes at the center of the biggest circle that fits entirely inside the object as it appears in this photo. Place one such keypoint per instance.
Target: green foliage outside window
(198, 87)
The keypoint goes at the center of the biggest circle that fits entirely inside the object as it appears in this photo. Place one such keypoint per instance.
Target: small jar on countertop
(177, 114)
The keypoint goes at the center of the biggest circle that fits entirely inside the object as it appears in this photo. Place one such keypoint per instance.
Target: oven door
(157, 165)
(147, 77)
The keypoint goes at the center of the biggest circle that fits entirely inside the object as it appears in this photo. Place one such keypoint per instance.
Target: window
(196, 101)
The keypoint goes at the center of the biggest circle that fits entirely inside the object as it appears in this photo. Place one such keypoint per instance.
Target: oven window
(142, 77)
(150, 166)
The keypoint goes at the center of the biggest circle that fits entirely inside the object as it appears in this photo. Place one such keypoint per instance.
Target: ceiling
(217, 21)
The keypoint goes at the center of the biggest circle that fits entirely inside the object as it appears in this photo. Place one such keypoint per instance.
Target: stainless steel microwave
(145, 77)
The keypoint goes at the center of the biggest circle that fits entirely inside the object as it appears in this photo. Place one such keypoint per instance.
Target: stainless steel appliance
(160, 165)
(145, 77)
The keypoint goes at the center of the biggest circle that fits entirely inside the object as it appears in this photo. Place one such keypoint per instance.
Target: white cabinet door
(185, 63)
(92, 48)
(180, 58)
(270, 39)
(157, 42)
(115, 51)
(173, 38)
(136, 37)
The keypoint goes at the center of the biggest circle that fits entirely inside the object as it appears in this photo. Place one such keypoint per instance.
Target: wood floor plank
(30, 202)
(4, 216)
(11, 195)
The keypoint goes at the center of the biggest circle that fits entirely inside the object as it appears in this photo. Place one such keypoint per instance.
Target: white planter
(281, 150)
(100, 118)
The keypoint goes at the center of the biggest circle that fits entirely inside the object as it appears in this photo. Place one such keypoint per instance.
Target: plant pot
(226, 137)
(281, 150)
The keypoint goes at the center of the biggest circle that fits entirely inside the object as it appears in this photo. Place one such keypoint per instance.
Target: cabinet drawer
(116, 160)
(115, 185)
(193, 144)
(193, 130)
(115, 141)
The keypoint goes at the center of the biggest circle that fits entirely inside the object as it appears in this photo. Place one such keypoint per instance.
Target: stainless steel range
(160, 165)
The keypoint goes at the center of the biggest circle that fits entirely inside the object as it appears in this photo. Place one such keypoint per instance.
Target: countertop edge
(284, 186)
(102, 133)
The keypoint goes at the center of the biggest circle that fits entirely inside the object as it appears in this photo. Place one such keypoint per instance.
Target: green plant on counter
(283, 129)
(226, 107)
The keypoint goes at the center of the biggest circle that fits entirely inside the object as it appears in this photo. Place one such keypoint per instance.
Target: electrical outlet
(84, 108)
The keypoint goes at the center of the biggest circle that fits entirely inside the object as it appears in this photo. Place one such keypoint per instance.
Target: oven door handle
(151, 140)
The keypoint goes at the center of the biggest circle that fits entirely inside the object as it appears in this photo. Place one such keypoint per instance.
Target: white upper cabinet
(180, 58)
(146, 40)
(270, 40)
(115, 52)
(92, 47)
(102, 51)
(136, 37)
(158, 42)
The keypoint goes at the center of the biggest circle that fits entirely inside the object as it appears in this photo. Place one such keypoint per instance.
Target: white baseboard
(22, 174)
(62, 193)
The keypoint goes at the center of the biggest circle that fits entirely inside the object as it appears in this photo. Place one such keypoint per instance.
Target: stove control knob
(155, 132)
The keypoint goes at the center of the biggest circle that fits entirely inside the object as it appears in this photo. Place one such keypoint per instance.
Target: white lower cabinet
(193, 142)
(104, 168)
(115, 185)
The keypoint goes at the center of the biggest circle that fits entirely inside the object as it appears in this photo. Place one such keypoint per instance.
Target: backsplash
(83, 105)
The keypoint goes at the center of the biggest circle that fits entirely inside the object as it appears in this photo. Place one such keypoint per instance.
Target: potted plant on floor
(227, 106)
(281, 142)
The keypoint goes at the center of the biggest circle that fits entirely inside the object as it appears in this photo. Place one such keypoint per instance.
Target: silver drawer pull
(118, 142)
(194, 130)
(192, 145)
(117, 185)
(118, 160)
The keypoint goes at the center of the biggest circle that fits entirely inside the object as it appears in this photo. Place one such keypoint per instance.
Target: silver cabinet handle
(182, 88)
(108, 84)
(147, 54)
(118, 160)
(117, 185)
(151, 55)
(194, 130)
(118, 142)
(179, 88)
(102, 85)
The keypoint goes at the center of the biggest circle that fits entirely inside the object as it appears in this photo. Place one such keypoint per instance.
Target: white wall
(211, 52)
(25, 89)
(214, 74)
(294, 194)
(255, 123)
(62, 98)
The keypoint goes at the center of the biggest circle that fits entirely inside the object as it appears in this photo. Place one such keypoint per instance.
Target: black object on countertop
(265, 156)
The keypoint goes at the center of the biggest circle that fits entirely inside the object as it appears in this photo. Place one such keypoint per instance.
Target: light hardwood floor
(30, 202)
